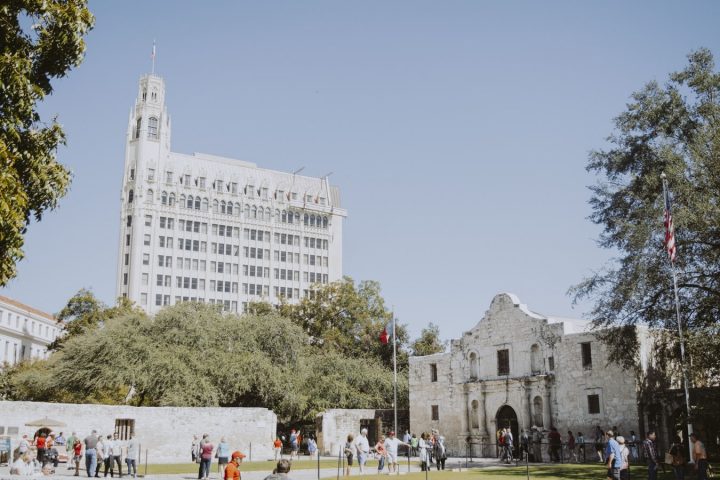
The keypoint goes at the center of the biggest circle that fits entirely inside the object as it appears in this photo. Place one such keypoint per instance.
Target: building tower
(212, 229)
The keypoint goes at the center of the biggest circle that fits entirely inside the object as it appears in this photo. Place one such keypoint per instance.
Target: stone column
(483, 413)
(547, 408)
(528, 389)
(466, 422)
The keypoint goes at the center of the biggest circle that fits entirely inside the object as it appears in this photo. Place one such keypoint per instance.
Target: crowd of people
(41, 455)
(429, 448)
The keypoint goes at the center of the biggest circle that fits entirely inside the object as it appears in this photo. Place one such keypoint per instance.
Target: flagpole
(394, 374)
(679, 326)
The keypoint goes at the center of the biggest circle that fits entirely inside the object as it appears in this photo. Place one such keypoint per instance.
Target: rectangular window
(503, 357)
(593, 404)
(146, 259)
(434, 412)
(127, 240)
(586, 355)
(146, 239)
(433, 372)
(551, 363)
(145, 278)
(148, 220)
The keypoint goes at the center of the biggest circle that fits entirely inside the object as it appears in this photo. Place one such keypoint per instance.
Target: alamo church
(522, 369)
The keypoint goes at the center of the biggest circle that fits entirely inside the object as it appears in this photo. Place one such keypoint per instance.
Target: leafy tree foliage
(349, 319)
(31, 180)
(672, 128)
(84, 312)
(193, 355)
(429, 341)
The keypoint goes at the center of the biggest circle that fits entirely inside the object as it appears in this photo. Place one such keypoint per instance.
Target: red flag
(384, 336)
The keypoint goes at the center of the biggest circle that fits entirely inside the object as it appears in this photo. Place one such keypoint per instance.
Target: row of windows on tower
(229, 208)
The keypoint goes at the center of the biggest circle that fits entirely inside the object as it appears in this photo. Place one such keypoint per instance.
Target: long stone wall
(165, 433)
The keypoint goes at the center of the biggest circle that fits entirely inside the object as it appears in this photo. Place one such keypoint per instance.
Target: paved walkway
(62, 473)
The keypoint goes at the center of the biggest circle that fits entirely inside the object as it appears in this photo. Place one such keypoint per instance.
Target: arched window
(171, 200)
(182, 201)
(267, 214)
(306, 219)
(131, 193)
(284, 216)
(205, 205)
(277, 215)
(216, 205)
(138, 124)
(229, 208)
(247, 211)
(223, 207)
(197, 203)
(325, 222)
(254, 212)
(153, 128)
(149, 198)
(312, 220)
(297, 217)
(164, 198)
(473, 366)
(535, 359)
(190, 201)
(238, 210)
(261, 213)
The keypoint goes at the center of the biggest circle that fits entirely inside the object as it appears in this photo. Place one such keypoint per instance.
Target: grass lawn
(266, 466)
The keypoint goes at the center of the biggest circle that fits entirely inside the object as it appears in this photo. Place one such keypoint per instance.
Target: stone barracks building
(520, 369)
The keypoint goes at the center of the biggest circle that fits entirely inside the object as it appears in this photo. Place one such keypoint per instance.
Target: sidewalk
(62, 473)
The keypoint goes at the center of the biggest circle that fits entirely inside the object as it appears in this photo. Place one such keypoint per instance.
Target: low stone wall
(165, 433)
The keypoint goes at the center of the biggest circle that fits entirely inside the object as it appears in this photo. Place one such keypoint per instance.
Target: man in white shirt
(116, 451)
(363, 448)
(391, 445)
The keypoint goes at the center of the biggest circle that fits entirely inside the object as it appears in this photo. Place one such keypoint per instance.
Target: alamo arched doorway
(506, 417)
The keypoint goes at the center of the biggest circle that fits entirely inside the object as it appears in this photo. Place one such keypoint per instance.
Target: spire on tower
(153, 58)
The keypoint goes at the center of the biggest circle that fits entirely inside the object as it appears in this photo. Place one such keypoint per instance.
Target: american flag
(669, 229)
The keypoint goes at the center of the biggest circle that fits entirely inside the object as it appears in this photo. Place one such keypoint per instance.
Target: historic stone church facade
(520, 369)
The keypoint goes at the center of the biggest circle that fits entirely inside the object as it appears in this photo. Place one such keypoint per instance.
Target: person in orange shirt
(232, 472)
(277, 446)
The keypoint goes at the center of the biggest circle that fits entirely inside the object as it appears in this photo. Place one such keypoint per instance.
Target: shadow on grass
(584, 472)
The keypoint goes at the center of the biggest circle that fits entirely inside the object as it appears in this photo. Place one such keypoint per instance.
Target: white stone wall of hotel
(25, 332)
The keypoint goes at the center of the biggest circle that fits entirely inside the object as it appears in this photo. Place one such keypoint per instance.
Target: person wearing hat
(232, 472)
(391, 446)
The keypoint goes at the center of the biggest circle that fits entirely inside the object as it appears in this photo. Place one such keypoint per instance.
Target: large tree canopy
(40, 40)
(672, 128)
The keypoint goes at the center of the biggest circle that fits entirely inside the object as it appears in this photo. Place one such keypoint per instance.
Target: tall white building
(25, 332)
(211, 229)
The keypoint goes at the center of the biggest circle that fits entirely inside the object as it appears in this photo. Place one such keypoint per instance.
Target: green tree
(349, 318)
(429, 341)
(39, 41)
(672, 128)
(193, 355)
(84, 312)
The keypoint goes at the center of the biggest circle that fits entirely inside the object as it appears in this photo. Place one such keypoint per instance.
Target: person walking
(277, 448)
(349, 452)
(222, 454)
(91, 442)
(294, 444)
(440, 453)
(100, 455)
(132, 455)
(391, 445)
(70, 447)
(108, 456)
(613, 456)
(571, 447)
(599, 439)
(116, 448)
(555, 442)
(312, 447)
(362, 446)
(678, 459)
(194, 449)
(206, 453)
(414, 445)
(381, 453)
(422, 452)
(699, 456)
(625, 455)
(581, 446)
(650, 453)
(76, 454)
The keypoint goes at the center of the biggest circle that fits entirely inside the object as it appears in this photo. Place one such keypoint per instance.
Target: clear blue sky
(458, 132)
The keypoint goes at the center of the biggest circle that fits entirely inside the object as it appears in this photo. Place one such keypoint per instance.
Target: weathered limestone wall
(166, 432)
(546, 384)
(335, 425)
